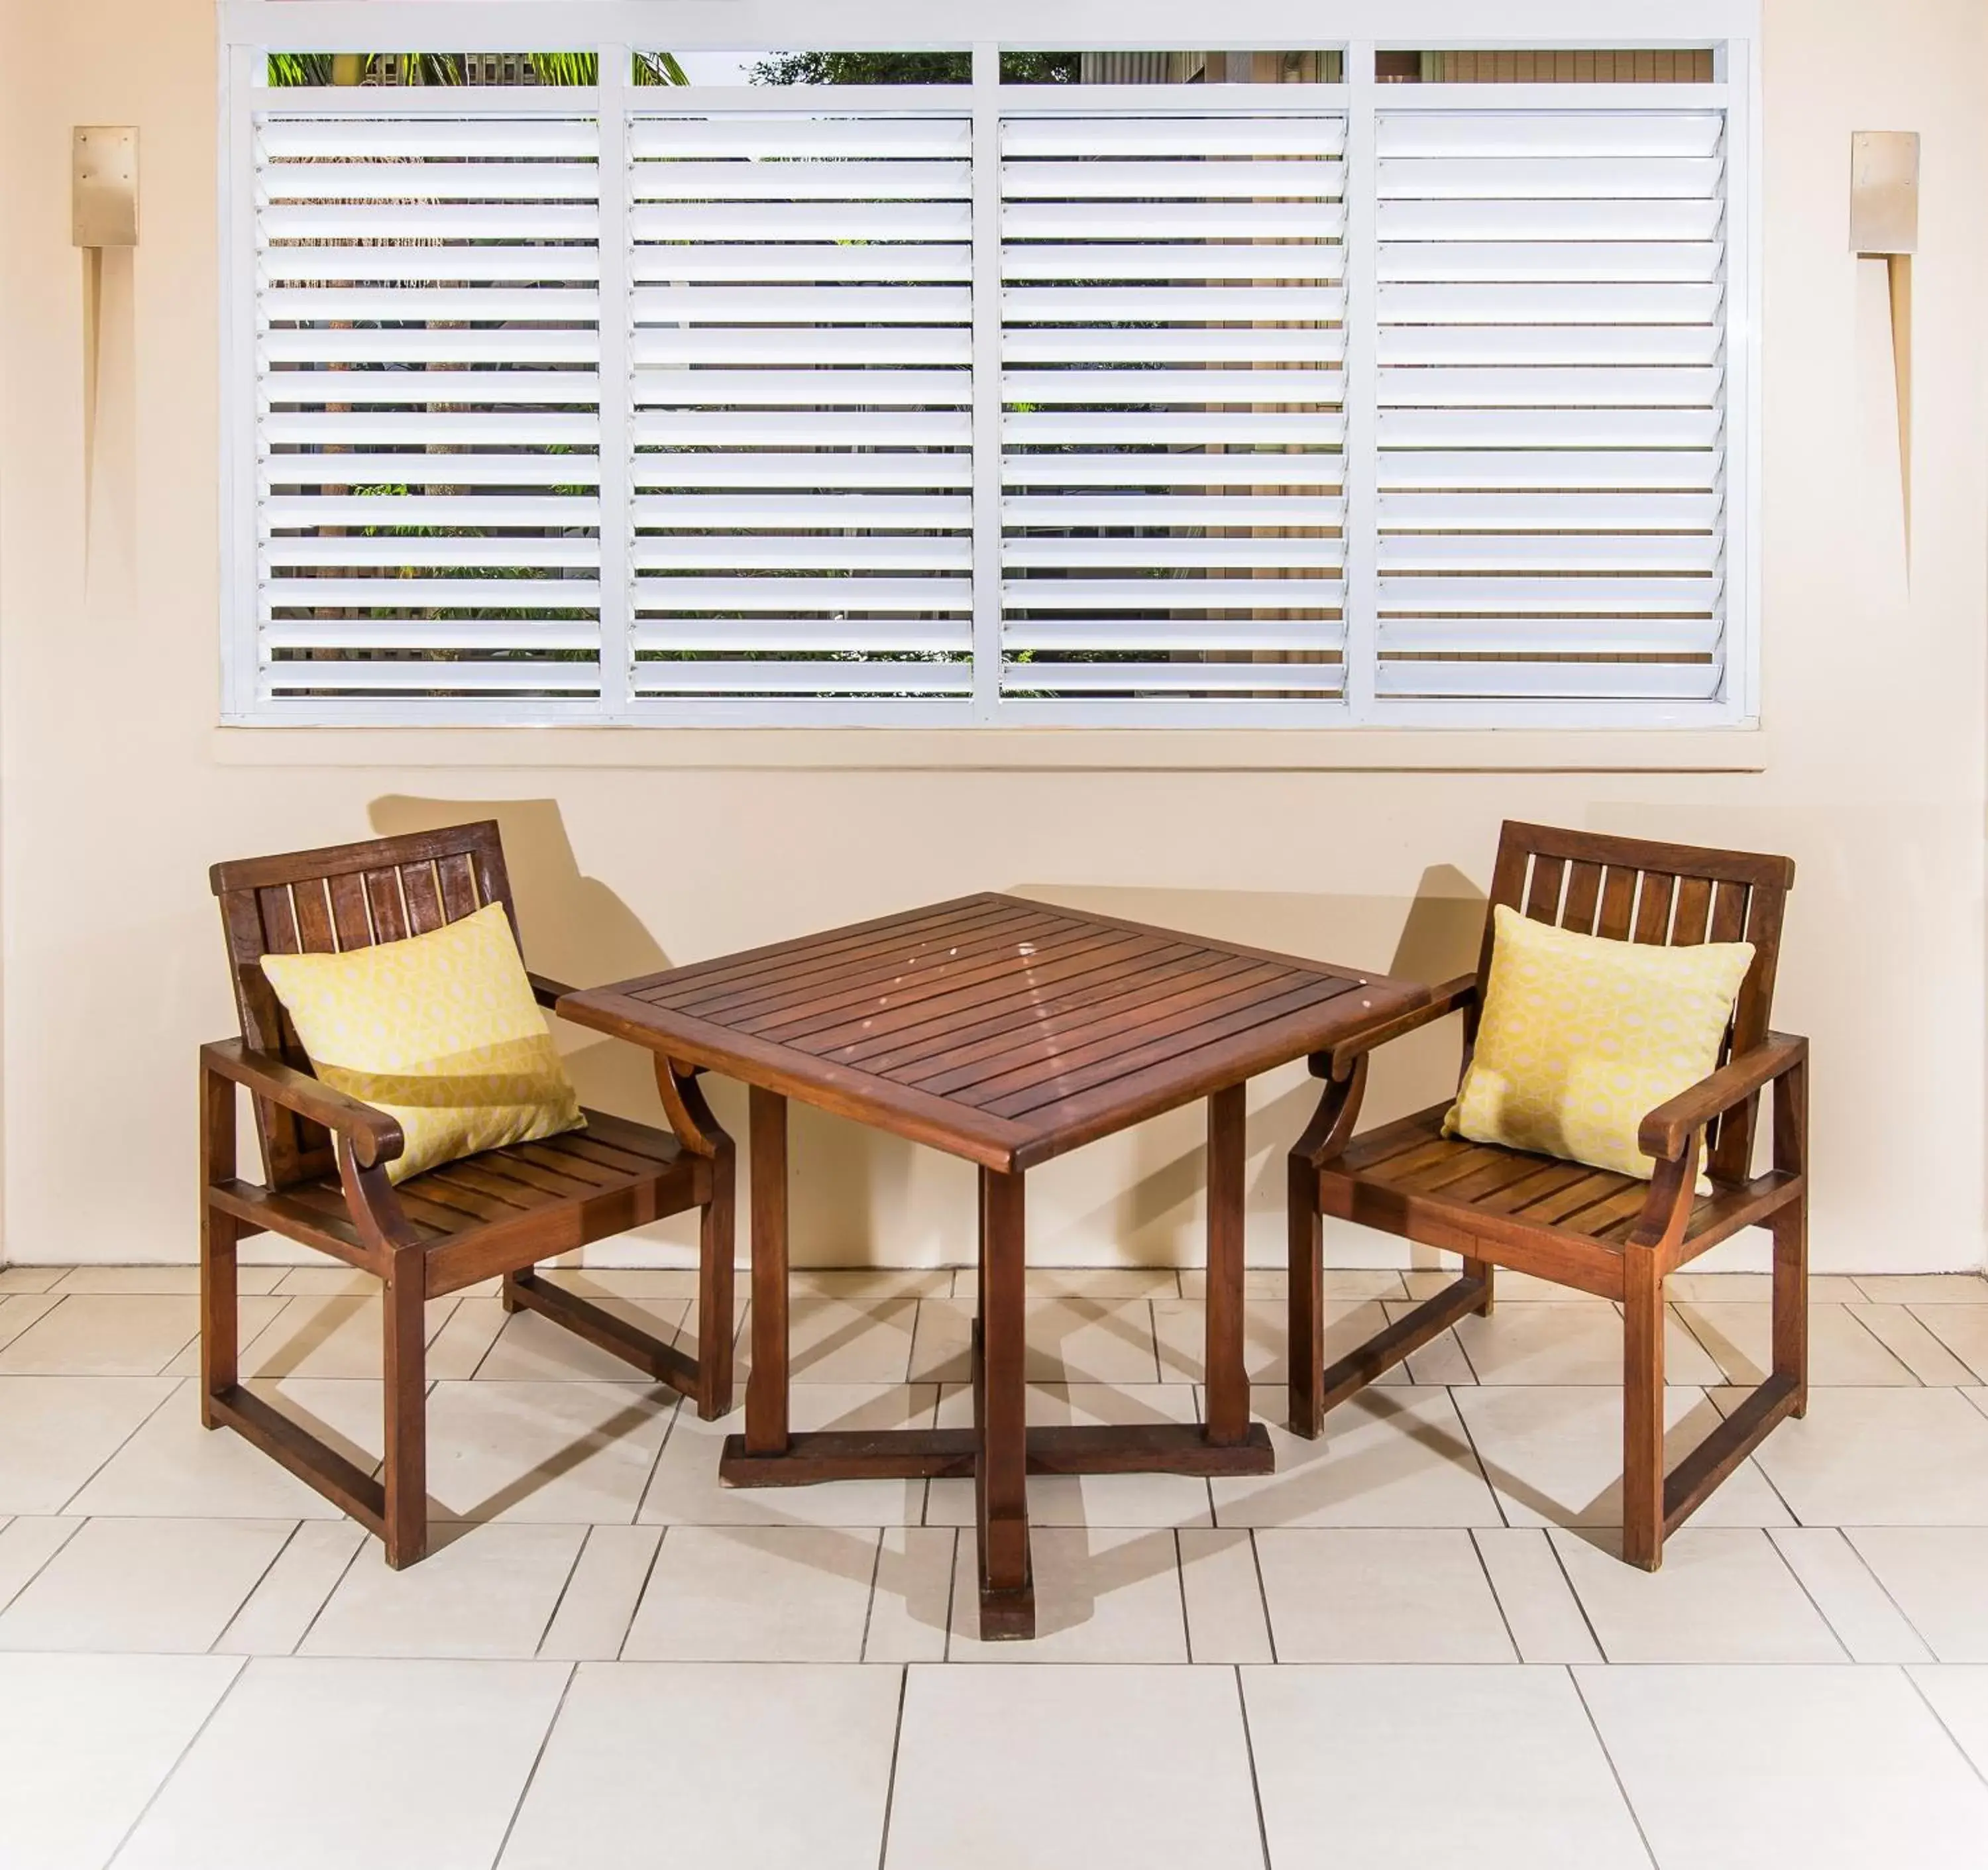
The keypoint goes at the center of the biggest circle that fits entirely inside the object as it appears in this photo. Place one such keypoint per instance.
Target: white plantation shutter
(427, 423)
(1172, 353)
(1551, 403)
(802, 350)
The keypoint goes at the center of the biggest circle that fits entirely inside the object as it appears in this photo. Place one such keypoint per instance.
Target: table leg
(1001, 1460)
(1227, 1379)
(766, 1384)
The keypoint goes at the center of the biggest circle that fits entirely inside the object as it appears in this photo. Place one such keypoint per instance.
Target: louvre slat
(827, 388)
(346, 139)
(524, 675)
(1616, 260)
(545, 636)
(390, 510)
(1535, 178)
(1169, 344)
(938, 344)
(759, 220)
(1573, 302)
(682, 467)
(940, 592)
(509, 221)
(1154, 511)
(1278, 554)
(461, 306)
(1325, 428)
(827, 427)
(1562, 594)
(1319, 136)
(801, 304)
(1574, 218)
(1151, 634)
(769, 634)
(1132, 469)
(407, 593)
(810, 263)
(1579, 133)
(1635, 633)
(435, 427)
(470, 265)
(1222, 678)
(1149, 305)
(1547, 344)
(1288, 262)
(1559, 552)
(486, 389)
(1554, 514)
(767, 180)
(468, 349)
(1196, 178)
(1160, 386)
(738, 676)
(1289, 594)
(750, 512)
(1166, 220)
(757, 137)
(1549, 680)
(450, 468)
(430, 181)
(1548, 428)
(1570, 470)
(1545, 388)
(370, 549)
(769, 551)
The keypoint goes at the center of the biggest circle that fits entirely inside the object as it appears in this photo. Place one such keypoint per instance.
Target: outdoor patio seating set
(1007, 1031)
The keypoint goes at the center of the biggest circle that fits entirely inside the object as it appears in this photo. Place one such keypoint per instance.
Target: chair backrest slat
(330, 902)
(1629, 889)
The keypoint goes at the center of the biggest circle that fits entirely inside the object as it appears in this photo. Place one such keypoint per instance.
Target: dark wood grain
(1617, 1236)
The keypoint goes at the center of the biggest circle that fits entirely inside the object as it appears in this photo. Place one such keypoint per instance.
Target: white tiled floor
(1411, 1643)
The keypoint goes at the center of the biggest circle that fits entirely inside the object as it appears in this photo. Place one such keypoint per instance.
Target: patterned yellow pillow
(1582, 1037)
(440, 1031)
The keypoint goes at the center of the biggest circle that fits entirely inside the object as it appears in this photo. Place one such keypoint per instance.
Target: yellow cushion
(1582, 1037)
(440, 1031)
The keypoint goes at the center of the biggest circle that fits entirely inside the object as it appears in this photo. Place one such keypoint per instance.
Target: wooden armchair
(500, 1212)
(1610, 1235)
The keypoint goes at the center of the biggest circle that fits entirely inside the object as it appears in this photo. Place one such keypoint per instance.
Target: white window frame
(251, 29)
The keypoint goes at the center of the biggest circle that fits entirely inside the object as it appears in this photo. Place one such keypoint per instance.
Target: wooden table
(1007, 1031)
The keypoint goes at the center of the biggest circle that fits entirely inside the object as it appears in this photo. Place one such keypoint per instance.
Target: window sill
(1396, 749)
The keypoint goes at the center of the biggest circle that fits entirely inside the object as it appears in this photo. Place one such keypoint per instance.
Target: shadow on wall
(1430, 937)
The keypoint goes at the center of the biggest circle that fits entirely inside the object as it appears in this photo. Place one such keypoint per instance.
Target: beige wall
(119, 790)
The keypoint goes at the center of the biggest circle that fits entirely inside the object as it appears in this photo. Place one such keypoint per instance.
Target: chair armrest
(546, 991)
(376, 1137)
(1668, 1128)
(1449, 998)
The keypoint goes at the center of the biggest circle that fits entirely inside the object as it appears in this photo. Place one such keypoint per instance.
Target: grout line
(870, 1606)
(1491, 1585)
(261, 1577)
(1262, 1595)
(1853, 1312)
(77, 1525)
(1553, 1546)
(1615, 1772)
(890, 1783)
(538, 1757)
(337, 1584)
(641, 1591)
(1470, 1441)
(566, 1585)
(951, 1594)
(1911, 1675)
(166, 1778)
(177, 1383)
(1828, 1623)
(1870, 1571)
(1180, 1585)
(1692, 1331)
(1249, 1754)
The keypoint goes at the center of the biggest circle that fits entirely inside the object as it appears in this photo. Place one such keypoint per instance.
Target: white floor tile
(1554, 1454)
(22, 1310)
(625, 1282)
(1441, 1360)
(1541, 1611)
(1881, 1457)
(1961, 1330)
(686, 1490)
(458, 1349)
(254, 1317)
(1924, 1288)
(755, 1594)
(1920, 1349)
(1180, 1329)
(26, 1545)
(592, 1620)
(1841, 1348)
(871, 1284)
(31, 1279)
(1086, 1499)
(557, 1453)
(85, 1741)
(1388, 1457)
(1103, 1596)
(1496, 1768)
(1125, 1768)
(338, 1337)
(103, 1335)
(56, 1431)
(1960, 1698)
(1098, 1282)
(144, 1584)
(283, 1605)
(490, 1592)
(172, 1467)
(1520, 1288)
(1826, 1768)
(1724, 1595)
(1568, 1343)
(324, 1764)
(1070, 1340)
(1867, 1621)
(911, 1609)
(175, 1279)
(327, 1281)
(1226, 1621)
(1758, 1288)
(1935, 1575)
(529, 1348)
(842, 1340)
(1374, 1594)
(756, 1766)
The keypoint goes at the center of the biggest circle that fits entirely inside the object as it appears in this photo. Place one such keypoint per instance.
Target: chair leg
(220, 1326)
(507, 1289)
(1642, 1409)
(1789, 1229)
(715, 1251)
(1307, 1335)
(406, 1513)
(1485, 1270)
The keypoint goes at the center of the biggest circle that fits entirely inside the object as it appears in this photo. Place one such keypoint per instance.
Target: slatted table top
(996, 1028)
